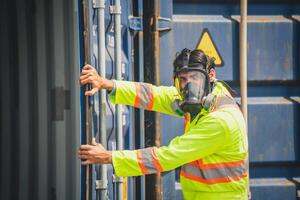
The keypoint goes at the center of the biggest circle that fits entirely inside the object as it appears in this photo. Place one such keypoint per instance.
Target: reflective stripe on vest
(148, 160)
(215, 173)
(217, 165)
(144, 96)
(222, 172)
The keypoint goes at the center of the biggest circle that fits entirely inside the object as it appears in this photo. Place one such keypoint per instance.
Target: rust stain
(151, 21)
(262, 19)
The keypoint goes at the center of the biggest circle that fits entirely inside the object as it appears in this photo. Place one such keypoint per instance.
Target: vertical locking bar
(102, 182)
(87, 60)
(243, 68)
(116, 11)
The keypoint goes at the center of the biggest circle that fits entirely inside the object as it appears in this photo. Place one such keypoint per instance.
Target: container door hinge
(101, 185)
(136, 23)
(99, 4)
(115, 10)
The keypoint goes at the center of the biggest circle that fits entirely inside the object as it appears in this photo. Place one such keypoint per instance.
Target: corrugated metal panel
(273, 188)
(110, 73)
(39, 100)
(8, 112)
(222, 31)
(269, 60)
(273, 74)
(272, 129)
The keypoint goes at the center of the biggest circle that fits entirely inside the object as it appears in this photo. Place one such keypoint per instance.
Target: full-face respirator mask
(192, 81)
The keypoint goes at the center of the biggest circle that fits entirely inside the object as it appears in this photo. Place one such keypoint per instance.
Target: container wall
(273, 80)
(39, 100)
(126, 71)
(40, 58)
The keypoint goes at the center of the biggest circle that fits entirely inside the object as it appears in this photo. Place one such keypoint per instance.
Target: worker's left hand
(94, 154)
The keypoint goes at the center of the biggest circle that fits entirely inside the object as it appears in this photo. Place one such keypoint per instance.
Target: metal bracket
(117, 179)
(101, 185)
(99, 4)
(115, 10)
(136, 23)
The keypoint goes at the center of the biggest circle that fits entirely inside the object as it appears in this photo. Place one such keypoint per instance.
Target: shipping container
(44, 45)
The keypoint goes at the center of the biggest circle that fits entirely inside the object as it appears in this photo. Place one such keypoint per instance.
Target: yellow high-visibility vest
(212, 152)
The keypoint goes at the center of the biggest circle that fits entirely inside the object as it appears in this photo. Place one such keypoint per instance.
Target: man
(212, 152)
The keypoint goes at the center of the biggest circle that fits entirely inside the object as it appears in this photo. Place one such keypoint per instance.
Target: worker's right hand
(89, 75)
(94, 154)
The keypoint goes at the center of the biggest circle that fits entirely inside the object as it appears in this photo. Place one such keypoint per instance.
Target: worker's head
(193, 73)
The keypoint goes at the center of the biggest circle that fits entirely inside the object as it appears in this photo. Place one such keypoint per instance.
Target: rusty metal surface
(156, 65)
(199, 18)
(88, 136)
(270, 181)
(262, 18)
(152, 75)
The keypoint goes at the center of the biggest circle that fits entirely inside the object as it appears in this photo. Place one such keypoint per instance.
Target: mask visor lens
(193, 85)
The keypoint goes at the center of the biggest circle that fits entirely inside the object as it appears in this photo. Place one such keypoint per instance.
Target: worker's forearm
(106, 157)
(126, 163)
(107, 84)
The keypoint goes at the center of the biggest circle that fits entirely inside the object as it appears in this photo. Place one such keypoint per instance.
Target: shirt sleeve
(204, 139)
(145, 96)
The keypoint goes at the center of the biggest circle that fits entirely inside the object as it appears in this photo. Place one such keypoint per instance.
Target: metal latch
(136, 23)
(101, 185)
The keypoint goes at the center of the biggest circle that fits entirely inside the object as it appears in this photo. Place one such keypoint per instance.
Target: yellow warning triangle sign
(207, 45)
